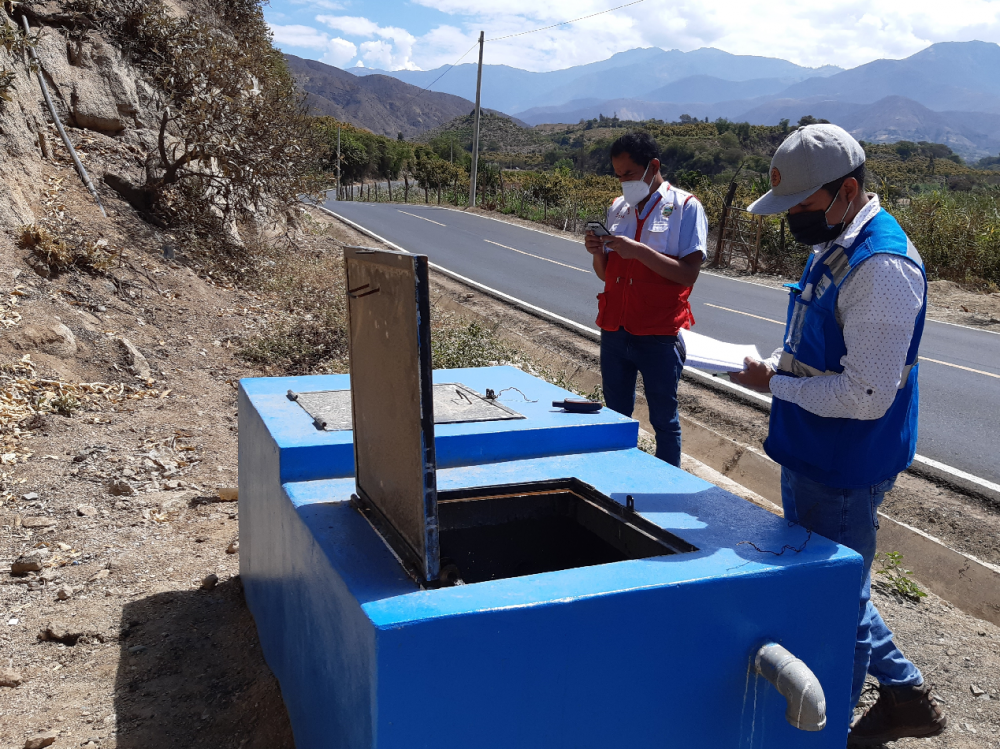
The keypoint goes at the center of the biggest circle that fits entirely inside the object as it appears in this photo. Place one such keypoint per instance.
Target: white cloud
(339, 52)
(299, 36)
(351, 25)
(319, 4)
(391, 51)
(846, 34)
(377, 54)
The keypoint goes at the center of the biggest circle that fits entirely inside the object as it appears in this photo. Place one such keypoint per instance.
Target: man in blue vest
(844, 386)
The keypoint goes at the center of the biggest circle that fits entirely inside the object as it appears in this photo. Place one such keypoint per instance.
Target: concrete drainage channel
(968, 583)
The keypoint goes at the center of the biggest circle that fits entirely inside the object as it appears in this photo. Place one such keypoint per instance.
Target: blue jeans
(850, 517)
(623, 356)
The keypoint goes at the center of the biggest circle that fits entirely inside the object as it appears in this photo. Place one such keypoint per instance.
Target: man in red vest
(648, 266)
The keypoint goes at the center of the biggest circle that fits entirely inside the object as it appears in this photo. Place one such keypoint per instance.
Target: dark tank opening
(491, 533)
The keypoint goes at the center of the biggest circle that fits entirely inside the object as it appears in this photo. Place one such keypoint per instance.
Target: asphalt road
(959, 373)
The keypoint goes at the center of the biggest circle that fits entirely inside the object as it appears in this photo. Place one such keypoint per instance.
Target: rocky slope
(96, 92)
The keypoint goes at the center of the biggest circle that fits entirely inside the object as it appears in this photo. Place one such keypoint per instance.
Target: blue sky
(425, 34)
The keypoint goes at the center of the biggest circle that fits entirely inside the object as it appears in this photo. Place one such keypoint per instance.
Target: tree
(234, 138)
(906, 148)
(934, 151)
(432, 172)
(549, 189)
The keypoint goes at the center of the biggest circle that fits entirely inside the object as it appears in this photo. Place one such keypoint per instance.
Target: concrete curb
(922, 466)
(969, 583)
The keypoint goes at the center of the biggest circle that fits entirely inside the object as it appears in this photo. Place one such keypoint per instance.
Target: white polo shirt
(675, 223)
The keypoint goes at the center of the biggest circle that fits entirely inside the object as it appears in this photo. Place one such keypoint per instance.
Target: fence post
(730, 195)
(756, 255)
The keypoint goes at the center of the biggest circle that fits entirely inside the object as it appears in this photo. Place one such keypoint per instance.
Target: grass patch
(456, 343)
(307, 334)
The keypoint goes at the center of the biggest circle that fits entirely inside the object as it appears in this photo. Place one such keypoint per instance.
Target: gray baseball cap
(810, 157)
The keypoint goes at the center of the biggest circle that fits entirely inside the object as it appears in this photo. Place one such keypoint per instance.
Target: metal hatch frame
(392, 404)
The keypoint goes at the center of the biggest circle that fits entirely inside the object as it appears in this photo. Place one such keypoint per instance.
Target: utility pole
(338, 162)
(475, 137)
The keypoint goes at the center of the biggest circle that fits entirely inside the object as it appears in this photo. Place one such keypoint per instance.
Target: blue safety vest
(844, 453)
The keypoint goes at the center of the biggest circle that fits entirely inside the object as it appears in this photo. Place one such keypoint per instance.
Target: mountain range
(948, 92)
(631, 74)
(380, 103)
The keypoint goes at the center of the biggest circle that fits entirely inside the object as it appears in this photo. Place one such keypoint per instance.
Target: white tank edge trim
(707, 379)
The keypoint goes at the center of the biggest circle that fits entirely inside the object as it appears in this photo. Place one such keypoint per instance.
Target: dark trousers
(623, 356)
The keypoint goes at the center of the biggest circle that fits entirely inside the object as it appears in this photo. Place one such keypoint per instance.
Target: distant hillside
(893, 118)
(710, 90)
(379, 103)
(947, 76)
(631, 74)
(497, 132)
(972, 135)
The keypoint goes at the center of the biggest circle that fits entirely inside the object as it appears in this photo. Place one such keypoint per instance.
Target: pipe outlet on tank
(796, 683)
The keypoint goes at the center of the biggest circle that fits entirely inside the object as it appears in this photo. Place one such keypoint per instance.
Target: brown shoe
(899, 712)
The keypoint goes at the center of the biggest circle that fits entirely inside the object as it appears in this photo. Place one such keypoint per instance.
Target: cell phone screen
(598, 228)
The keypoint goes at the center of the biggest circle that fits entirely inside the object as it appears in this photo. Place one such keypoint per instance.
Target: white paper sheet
(715, 356)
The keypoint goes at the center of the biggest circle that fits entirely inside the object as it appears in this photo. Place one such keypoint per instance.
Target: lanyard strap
(641, 222)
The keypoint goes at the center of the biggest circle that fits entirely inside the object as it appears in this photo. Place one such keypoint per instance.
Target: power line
(447, 70)
(520, 33)
(563, 23)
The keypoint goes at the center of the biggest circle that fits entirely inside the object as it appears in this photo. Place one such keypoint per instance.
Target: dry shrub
(307, 332)
(58, 255)
(235, 140)
(51, 250)
(457, 343)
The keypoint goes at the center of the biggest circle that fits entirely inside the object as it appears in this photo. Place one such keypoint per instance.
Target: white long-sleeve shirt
(877, 307)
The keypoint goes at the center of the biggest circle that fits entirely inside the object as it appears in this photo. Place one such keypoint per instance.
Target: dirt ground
(119, 502)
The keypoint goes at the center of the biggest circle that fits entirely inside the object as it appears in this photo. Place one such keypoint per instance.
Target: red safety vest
(639, 299)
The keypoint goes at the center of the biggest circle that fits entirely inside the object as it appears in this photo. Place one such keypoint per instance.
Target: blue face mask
(810, 227)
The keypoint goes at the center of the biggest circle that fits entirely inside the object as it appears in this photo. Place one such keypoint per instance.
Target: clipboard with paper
(712, 355)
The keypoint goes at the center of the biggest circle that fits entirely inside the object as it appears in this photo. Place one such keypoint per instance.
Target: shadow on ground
(191, 674)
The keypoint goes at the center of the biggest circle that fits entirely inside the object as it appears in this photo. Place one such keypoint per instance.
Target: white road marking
(758, 317)
(959, 366)
(704, 271)
(422, 218)
(922, 358)
(595, 335)
(539, 257)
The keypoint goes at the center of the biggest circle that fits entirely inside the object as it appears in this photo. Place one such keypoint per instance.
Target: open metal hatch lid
(392, 405)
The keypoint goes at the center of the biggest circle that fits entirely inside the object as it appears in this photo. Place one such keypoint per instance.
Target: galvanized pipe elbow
(796, 683)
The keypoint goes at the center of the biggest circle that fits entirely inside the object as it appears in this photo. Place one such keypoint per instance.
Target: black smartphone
(598, 228)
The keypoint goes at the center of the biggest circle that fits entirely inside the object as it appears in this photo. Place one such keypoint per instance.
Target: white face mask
(636, 190)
